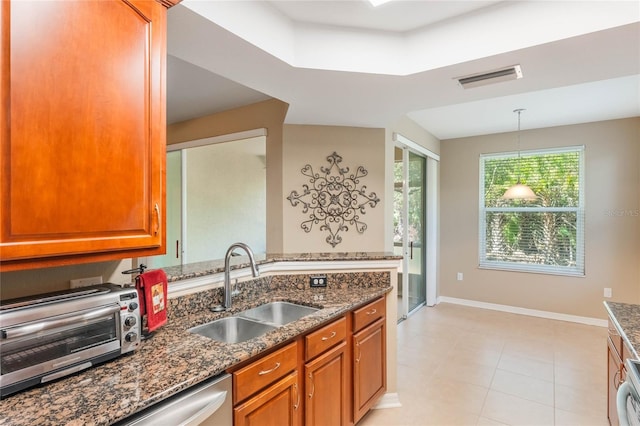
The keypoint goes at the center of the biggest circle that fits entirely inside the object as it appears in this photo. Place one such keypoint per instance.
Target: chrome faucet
(227, 279)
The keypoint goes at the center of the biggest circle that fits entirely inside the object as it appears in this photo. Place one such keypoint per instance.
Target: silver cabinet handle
(359, 351)
(333, 334)
(76, 318)
(373, 311)
(263, 372)
(313, 386)
(297, 404)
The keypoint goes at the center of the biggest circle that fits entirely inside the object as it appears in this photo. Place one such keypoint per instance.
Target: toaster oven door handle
(53, 323)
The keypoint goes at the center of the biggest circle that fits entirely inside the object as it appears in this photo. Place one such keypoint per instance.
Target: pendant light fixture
(519, 191)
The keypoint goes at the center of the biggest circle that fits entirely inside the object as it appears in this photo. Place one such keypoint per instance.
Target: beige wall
(37, 281)
(305, 144)
(267, 114)
(612, 224)
(411, 130)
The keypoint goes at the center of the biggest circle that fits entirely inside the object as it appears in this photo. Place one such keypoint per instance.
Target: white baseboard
(524, 311)
(388, 400)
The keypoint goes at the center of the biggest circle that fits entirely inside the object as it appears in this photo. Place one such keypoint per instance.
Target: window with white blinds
(544, 235)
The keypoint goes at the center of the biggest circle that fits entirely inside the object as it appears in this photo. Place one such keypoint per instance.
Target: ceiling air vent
(504, 74)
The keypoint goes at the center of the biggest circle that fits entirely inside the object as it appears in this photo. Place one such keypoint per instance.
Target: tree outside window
(415, 202)
(543, 235)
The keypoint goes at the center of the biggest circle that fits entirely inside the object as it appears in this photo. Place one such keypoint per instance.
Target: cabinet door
(277, 405)
(83, 131)
(326, 388)
(369, 367)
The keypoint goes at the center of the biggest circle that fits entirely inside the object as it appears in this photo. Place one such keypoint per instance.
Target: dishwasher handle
(188, 408)
(624, 392)
(206, 411)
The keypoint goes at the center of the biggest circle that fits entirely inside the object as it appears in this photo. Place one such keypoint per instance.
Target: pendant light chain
(519, 158)
(519, 191)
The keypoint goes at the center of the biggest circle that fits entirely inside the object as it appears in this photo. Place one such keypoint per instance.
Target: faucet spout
(227, 269)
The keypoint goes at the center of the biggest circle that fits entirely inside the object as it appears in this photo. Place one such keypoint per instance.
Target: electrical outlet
(460, 276)
(318, 280)
(83, 282)
(607, 292)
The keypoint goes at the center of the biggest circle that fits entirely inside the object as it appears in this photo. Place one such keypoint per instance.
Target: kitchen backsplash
(252, 290)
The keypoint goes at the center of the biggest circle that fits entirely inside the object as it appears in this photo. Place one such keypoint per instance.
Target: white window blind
(545, 235)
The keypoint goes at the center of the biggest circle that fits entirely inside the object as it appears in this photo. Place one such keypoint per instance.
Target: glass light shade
(519, 192)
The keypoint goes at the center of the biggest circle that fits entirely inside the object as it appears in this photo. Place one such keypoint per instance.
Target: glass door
(409, 229)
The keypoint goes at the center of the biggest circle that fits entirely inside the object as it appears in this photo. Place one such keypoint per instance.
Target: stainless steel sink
(278, 313)
(232, 329)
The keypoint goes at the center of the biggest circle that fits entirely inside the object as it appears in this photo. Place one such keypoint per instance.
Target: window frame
(576, 271)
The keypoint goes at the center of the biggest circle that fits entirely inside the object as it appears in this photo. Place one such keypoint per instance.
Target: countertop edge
(619, 328)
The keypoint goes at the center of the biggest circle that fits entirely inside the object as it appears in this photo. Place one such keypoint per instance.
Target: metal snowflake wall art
(334, 199)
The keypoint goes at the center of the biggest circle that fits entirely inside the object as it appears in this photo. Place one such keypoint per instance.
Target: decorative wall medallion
(334, 199)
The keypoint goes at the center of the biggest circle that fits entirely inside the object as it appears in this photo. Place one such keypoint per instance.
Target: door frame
(431, 211)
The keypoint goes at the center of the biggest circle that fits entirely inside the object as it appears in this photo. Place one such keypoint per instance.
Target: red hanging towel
(152, 292)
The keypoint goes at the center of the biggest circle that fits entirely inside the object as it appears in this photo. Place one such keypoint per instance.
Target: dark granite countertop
(199, 269)
(174, 359)
(626, 318)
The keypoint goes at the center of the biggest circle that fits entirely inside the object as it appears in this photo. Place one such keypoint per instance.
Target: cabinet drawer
(368, 314)
(325, 338)
(268, 369)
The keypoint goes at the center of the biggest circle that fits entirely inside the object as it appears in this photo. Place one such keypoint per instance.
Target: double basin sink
(252, 322)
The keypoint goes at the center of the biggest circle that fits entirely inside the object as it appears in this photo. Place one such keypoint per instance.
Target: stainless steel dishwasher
(208, 403)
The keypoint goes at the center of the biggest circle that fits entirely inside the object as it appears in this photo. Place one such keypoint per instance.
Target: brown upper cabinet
(83, 131)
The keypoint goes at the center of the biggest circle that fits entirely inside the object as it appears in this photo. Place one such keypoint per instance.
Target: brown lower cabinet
(326, 375)
(277, 405)
(325, 388)
(369, 360)
(343, 369)
(369, 368)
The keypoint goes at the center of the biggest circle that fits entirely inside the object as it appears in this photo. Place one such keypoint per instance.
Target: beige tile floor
(459, 365)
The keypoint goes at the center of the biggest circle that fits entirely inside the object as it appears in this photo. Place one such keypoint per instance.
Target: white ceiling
(348, 63)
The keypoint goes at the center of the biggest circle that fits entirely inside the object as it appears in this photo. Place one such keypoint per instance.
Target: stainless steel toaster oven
(49, 336)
